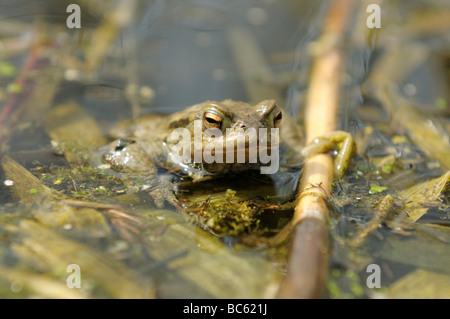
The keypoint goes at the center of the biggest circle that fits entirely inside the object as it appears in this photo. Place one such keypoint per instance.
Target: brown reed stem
(307, 267)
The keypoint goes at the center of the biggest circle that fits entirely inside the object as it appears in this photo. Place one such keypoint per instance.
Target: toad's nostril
(122, 143)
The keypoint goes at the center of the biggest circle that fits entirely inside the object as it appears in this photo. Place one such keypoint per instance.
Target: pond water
(63, 89)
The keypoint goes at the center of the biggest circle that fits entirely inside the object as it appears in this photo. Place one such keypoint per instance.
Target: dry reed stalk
(308, 259)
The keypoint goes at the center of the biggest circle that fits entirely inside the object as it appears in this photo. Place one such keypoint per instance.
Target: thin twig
(15, 103)
(384, 208)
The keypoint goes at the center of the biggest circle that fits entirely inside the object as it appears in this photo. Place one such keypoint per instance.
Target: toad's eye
(277, 118)
(211, 120)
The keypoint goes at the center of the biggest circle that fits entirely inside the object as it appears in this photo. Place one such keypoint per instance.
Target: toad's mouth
(235, 148)
(217, 158)
(241, 154)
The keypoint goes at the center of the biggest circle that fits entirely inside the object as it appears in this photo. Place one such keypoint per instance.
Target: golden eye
(211, 120)
(277, 118)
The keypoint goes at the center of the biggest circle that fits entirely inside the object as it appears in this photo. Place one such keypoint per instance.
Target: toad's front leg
(137, 159)
(340, 140)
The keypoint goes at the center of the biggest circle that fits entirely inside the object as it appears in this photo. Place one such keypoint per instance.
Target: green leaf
(374, 188)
